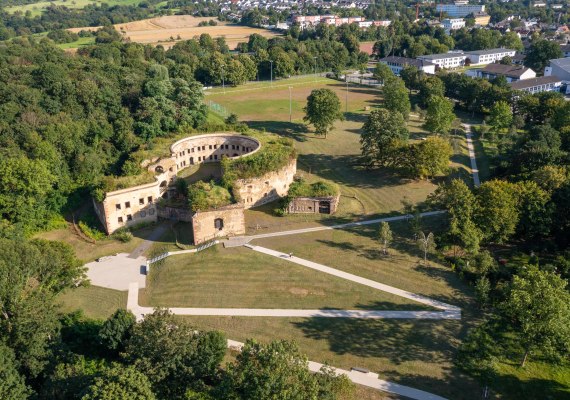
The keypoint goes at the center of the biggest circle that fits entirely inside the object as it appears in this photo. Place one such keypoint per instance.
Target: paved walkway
(472, 159)
(247, 239)
(153, 237)
(357, 279)
(140, 311)
(370, 380)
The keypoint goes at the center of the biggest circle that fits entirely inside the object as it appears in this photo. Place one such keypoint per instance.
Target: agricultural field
(168, 30)
(38, 7)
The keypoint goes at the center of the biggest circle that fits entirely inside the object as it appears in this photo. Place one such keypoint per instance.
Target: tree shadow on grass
(398, 340)
(340, 245)
(349, 171)
(355, 117)
(533, 388)
(292, 130)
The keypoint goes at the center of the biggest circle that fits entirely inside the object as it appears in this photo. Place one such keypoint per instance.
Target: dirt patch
(304, 292)
(298, 291)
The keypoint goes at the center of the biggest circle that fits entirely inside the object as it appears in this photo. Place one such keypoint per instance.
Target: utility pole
(271, 76)
(290, 106)
(346, 101)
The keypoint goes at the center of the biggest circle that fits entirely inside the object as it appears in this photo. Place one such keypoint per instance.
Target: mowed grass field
(416, 353)
(242, 278)
(96, 302)
(266, 106)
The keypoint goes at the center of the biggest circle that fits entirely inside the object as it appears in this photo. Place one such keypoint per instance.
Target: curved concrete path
(472, 158)
(241, 240)
(357, 279)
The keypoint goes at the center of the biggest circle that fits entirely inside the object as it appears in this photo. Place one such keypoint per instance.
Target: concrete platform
(117, 272)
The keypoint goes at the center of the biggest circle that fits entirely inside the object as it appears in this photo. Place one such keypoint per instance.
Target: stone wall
(313, 205)
(271, 186)
(175, 214)
(128, 207)
(131, 206)
(206, 224)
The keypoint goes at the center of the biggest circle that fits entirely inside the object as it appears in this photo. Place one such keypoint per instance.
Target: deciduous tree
(440, 115)
(538, 306)
(385, 236)
(426, 243)
(501, 116)
(120, 382)
(396, 97)
(384, 132)
(322, 110)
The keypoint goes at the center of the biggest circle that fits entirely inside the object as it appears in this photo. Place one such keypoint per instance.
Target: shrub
(123, 235)
(207, 195)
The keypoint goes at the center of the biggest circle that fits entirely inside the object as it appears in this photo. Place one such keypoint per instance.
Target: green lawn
(83, 41)
(96, 302)
(38, 7)
(242, 278)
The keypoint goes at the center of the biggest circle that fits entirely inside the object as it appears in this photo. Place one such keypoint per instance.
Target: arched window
(219, 224)
(159, 169)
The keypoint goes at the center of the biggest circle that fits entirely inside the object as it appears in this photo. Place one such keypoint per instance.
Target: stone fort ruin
(140, 203)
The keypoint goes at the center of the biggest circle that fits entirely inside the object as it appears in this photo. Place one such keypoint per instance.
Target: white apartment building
(459, 9)
(446, 60)
(538, 85)
(479, 57)
(397, 64)
(451, 24)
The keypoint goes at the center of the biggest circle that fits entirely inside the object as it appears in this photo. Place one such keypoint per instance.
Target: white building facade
(480, 57)
(446, 60)
(460, 10)
(451, 24)
(397, 64)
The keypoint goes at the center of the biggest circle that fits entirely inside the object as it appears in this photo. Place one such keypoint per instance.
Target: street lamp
(290, 106)
(271, 76)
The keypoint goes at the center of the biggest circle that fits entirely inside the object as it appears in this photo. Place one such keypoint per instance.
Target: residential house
(512, 73)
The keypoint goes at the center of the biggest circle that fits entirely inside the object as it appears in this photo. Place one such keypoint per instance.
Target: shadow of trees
(293, 130)
(398, 340)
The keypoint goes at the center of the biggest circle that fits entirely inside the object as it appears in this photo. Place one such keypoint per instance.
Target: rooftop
(443, 55)
(513, 71)
(406, 61)
(563, 63)
(527, 83)
(489, 51)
